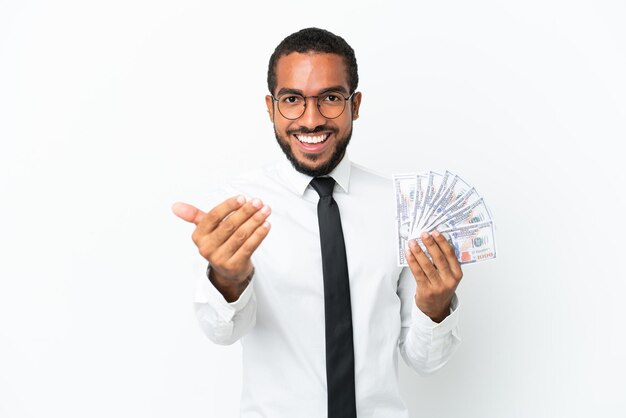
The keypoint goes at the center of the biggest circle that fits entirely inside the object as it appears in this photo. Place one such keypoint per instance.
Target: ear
(356, 104)
(269, 102)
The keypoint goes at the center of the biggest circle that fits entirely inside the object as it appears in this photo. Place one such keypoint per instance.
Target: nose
(311, 117)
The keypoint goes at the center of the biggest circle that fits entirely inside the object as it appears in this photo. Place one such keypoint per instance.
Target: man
(309, 350)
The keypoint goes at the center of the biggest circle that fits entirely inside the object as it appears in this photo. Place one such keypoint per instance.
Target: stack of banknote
(432, 201)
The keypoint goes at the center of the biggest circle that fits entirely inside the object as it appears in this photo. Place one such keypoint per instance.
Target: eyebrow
(339, 89)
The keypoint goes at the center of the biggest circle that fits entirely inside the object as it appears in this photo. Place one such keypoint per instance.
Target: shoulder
(251, 183)
(368, 172)
(364, 177)
(251, 178)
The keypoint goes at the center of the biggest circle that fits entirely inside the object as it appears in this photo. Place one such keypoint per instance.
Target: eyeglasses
(331, 105)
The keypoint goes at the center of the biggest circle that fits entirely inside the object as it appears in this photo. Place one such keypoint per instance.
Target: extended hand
(436, 280)
(227, 236)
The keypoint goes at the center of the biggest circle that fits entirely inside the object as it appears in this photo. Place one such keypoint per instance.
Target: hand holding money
(445, 203)
(226, 237)
(436, 280)
(442, 222)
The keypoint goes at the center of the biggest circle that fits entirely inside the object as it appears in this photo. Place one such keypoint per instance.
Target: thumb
(187, 212)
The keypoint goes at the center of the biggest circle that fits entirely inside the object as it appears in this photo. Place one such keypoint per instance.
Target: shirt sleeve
(221, 321)
(425, 346)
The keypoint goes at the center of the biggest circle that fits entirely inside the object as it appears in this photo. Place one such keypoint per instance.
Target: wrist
(440, 317)
(436, 316)
(231, 289)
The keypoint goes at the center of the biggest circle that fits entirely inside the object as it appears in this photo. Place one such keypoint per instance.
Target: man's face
(313, 143)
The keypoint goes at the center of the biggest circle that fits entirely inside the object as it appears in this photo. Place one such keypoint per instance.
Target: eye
(332, 98)
(291, 99)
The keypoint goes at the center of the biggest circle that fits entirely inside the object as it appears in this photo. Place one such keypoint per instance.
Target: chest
(290, 257)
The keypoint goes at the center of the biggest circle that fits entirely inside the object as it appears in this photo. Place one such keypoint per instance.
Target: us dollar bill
(474, 242)
(421, 181)
(440, 185)
(471, 243)
(455, 190)
(473, 213)
(407, 192)
(466, 199)
(429, 185)
(431, 201)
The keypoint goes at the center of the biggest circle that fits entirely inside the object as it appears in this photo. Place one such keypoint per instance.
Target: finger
(244, 252)
(241, 235)
(425, 263)
(187, 212)
(416, 269)
(216, 215)
(439, 259)
(448, 252)
(230, 226)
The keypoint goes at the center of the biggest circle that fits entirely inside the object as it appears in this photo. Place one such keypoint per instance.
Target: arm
(425, 345)
(221, 321)
(427, 290)
(226, 237)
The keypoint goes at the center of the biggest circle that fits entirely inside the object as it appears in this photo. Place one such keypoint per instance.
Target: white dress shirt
(279, 318)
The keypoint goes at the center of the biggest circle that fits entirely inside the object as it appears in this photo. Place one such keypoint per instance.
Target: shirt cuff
(427, 325)
(206, 292)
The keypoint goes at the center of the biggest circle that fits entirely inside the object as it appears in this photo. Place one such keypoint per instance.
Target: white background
(111, 111)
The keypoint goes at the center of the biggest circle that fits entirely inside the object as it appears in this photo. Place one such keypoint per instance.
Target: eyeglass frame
(347, 99)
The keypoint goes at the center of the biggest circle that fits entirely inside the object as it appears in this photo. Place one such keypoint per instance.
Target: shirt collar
(298, 181)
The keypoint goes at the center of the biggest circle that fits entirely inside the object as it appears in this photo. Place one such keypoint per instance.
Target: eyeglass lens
(292, 106)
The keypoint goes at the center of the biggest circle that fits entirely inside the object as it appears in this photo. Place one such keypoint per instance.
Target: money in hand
(431, 201)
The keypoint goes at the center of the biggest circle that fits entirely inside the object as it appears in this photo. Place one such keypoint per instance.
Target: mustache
(320, 128)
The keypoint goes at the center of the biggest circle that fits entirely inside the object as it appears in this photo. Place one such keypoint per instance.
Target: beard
(325, 168)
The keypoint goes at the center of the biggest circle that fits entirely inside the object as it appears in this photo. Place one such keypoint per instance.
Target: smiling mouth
(312, 139)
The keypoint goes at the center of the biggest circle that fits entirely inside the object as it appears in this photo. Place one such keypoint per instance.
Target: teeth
(309, 139)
